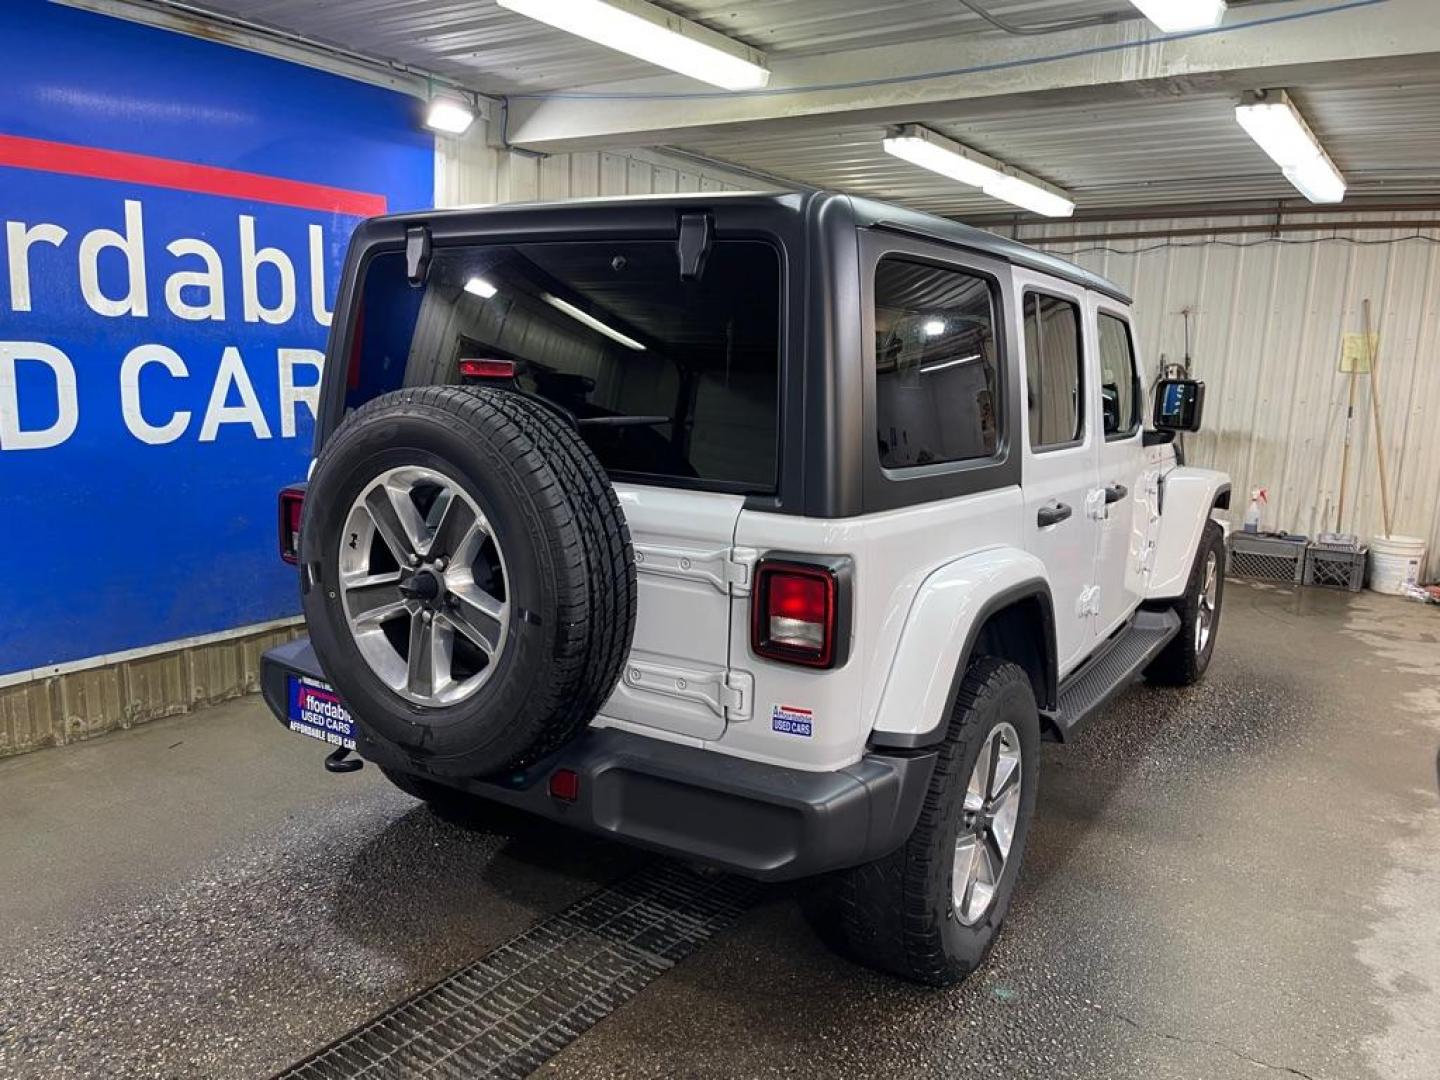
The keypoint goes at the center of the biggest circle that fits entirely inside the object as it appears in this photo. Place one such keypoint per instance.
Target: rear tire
(910, 913)
(1184, 660)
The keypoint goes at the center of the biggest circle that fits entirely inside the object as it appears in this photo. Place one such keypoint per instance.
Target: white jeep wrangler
(769, 531)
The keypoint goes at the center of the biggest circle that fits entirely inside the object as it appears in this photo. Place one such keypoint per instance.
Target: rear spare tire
(468, 579)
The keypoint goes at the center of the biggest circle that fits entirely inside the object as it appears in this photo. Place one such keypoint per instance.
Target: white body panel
(896, 555)
(1189, 497)
(951, 602)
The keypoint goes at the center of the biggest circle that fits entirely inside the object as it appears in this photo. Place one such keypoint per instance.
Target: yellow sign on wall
(1355, 353)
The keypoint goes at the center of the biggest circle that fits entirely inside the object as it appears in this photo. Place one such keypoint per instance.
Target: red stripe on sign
(55, 157)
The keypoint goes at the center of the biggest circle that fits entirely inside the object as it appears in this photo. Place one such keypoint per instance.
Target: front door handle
(1052, 514)
(1115, 492)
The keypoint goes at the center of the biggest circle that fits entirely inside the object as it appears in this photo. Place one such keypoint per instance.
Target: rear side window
(668, 380)
(935, 364)
(1053, 370)
(1119, 381)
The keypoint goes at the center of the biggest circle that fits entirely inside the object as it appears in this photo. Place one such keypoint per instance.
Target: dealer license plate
(316, 711)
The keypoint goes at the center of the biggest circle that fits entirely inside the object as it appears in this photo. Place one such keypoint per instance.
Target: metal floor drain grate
(508, 1013)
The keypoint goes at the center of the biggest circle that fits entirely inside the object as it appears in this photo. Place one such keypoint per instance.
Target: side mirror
(1178, 405)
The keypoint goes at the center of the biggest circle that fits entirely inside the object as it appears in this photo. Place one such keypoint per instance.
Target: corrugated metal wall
(468, 171)
(1268, 315)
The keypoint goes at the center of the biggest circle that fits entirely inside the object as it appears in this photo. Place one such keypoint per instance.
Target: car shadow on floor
(423, 884)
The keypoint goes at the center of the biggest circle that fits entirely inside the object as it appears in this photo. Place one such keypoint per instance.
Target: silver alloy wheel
(1209, 594)
(987, 826)
(430, 619)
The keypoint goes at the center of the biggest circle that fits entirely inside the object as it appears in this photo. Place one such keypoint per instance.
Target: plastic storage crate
(1267, 558)
(1335, 567)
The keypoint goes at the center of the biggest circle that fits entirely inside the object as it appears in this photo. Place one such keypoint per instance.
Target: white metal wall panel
(470, 172)
(1268, 318)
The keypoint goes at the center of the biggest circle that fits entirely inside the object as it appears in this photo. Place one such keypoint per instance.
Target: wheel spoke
(988, 867)
(478, 616)
(979, 785)
(373, 598)
(963, 871)
(1006, 774)
(420, 674)
(1006, 814)
(396, 520)
(457, 522)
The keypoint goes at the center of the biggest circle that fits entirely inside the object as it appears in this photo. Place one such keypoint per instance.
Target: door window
(935, 364)
(1119, 381)
(1053, 371)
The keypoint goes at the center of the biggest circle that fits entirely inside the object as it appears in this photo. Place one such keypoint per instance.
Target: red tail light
(292, 500)
(487, 369)
(795, 613)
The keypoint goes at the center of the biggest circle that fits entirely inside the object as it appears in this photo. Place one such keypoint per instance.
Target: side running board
(1086, 691)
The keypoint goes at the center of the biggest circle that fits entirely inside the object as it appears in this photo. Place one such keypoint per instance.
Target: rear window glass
(935, 364)
(667, 379)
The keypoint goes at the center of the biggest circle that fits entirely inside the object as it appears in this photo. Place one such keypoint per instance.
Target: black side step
(1086, 691)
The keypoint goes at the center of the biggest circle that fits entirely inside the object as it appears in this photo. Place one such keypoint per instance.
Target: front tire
(930, 911)
(1184, 660)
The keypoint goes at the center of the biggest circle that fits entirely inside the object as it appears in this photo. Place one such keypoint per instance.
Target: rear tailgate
(678, 678)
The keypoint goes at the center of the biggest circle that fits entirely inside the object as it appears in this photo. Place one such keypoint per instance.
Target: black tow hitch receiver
(339, 761)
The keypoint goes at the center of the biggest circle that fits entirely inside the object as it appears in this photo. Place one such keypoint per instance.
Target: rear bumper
(760, 820)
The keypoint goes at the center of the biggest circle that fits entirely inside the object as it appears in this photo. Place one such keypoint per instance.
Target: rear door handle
(1115, 492)
(1052, 514)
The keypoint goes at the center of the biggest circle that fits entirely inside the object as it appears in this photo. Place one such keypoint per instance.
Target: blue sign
(316, 710)
(175, 214)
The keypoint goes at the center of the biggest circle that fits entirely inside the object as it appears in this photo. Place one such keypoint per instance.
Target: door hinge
(727, 570)
(417, 254)
(727, 694)
(737, 693)
(1095, 504)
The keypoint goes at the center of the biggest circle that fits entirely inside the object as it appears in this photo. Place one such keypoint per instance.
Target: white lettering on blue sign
(194, 291)
(792, 720)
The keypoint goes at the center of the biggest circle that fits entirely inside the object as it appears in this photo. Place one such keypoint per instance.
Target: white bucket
(1395, 562)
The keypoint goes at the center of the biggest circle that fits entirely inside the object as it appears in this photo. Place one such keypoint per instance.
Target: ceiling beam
(914, 81)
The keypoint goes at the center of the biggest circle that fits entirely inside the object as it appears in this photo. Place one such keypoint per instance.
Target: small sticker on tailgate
(316, 711)
(791, 720)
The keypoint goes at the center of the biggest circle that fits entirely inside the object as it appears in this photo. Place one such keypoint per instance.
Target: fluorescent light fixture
(933, 327)
(941, 365)
(921, 146)
(1174, 16)
(1271, 119)
(653, 34)
(481, 288)
(449, 114)
(592, 322)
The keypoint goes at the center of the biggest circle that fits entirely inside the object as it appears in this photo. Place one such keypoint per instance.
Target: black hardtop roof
(867, 213)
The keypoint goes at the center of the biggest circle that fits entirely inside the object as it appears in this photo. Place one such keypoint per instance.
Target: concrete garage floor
(1238, 880)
